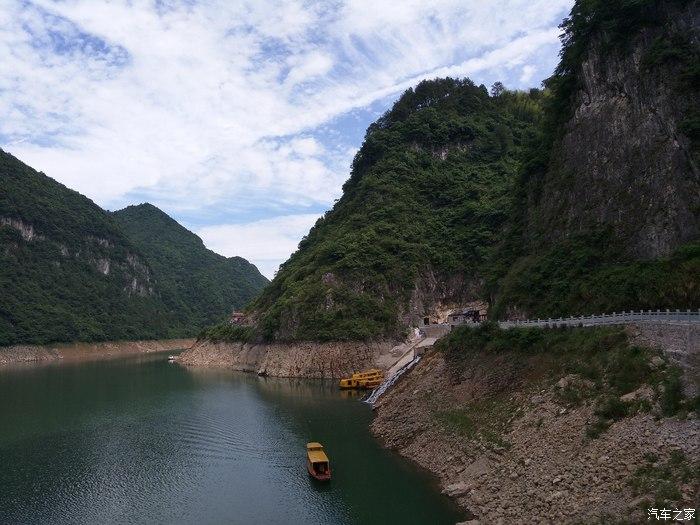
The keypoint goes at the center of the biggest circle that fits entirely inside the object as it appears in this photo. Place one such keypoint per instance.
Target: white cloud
(223, 103)
(527, 73)
(268, 242)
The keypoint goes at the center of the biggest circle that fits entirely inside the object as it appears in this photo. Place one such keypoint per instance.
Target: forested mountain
(579, 198)
(70, 272)
(428, 194)
(197, 285)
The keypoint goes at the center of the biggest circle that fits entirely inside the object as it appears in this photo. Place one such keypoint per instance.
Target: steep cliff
(582, 425)
(608, 215)
(625, 157)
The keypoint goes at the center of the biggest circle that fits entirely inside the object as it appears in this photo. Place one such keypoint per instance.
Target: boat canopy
(316, 453)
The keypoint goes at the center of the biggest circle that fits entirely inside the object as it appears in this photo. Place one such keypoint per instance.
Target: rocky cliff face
(436, 296)
(625, 160)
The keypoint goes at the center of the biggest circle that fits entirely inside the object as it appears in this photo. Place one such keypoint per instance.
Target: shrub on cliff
(603, 357)
(228, 333)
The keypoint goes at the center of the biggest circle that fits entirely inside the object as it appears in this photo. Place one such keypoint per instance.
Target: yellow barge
(368, 379)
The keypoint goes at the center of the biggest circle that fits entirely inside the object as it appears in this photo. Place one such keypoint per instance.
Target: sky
(239, 118)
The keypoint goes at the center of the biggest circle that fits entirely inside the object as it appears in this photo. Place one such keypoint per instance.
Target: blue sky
(239, 117)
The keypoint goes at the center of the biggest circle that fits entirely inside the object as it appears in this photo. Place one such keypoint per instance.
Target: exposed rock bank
(309, 360)
(86, 351)
(681, 343)
(508, 442)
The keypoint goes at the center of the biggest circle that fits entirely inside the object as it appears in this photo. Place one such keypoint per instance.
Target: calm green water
(140, 440)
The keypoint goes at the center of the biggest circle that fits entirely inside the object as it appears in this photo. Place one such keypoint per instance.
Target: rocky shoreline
(521, 452)
(17, 354)
(302, 360)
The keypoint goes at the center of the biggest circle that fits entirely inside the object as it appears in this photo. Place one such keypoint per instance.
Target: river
(141, 440)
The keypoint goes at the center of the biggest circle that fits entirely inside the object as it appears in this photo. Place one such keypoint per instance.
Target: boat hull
(320, 477)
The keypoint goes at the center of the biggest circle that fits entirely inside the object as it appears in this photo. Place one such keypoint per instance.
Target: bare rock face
(681, 343)
(308, 360)
(540, 466)
(436, 296)
(623, 161)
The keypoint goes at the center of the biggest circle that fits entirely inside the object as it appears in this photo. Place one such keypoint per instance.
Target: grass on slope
(606, 364)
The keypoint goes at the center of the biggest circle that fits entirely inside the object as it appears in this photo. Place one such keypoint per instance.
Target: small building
(237, 318)
(467, 315)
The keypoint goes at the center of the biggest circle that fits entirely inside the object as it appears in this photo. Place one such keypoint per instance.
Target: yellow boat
(371, 384)
(317, 462)
(368, 379)
(349, 383)
(368, 374)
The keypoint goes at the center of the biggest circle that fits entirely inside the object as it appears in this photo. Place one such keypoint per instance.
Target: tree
(497, 88)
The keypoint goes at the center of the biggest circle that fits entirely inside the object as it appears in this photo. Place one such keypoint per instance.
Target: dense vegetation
(428, 192)
(197, 285)
(586, 274)
(69, 272)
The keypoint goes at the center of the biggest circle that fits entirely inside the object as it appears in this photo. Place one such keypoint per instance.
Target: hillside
(581, 425)
(196, 284)
(427, 195)
(581, 198)
(69, 272)
(550, 426)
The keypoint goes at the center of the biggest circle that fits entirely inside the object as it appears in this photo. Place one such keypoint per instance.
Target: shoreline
(307, 360)
(82, 351)
(509, 444)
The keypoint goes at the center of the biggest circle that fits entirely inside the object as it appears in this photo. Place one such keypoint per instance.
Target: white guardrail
(642, 316)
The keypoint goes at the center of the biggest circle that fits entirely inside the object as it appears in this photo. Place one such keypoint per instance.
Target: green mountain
(568, 200)
(69, 270)
(427, 197)
(197, 285)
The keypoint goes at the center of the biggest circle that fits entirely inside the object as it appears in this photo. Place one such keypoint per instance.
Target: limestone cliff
(608, 210)
(625, 160)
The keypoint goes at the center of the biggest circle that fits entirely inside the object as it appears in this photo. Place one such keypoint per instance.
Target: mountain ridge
(69, 271)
